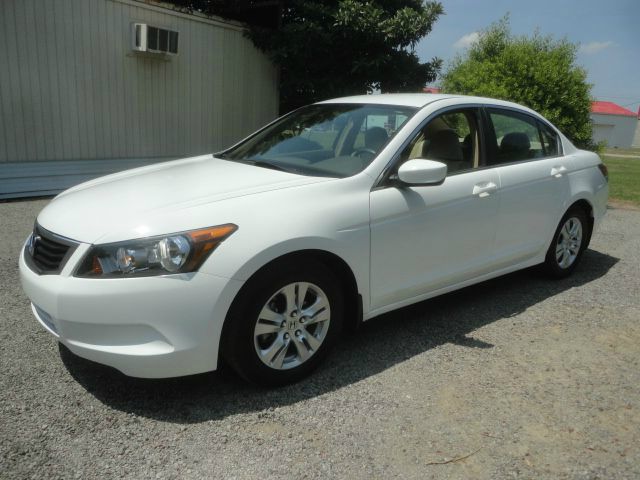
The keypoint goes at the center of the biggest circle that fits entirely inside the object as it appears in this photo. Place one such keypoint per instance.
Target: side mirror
(422, 172)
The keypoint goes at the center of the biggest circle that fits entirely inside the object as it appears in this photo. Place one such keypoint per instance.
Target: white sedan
(335, 213)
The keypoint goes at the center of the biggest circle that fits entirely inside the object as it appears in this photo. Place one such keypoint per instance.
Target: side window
(516, 137)
(550, 141)
(451, 138)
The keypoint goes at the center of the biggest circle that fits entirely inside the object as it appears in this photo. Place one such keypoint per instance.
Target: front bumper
(150, 327)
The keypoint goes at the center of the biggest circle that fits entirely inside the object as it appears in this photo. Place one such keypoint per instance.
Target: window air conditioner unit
(147, 38)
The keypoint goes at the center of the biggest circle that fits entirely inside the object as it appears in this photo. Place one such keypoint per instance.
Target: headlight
(175, 253)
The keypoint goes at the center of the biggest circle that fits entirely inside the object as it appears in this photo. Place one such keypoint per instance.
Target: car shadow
(380, 344)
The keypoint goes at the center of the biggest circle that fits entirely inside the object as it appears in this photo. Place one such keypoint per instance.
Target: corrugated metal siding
(617, 130)
(636, 138)
(20, 179)
(72, 89)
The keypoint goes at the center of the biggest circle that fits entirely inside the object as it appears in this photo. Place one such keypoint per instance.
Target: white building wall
(71, 89)
(617, 130)
(636, 138)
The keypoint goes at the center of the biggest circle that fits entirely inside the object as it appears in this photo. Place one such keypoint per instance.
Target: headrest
(515, 142)
(375, 137)
(444, 145)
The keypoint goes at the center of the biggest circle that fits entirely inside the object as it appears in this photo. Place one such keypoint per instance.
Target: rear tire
(283, 323)
(568, 244)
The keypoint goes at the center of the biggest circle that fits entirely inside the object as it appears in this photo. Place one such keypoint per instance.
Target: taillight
(604, 170)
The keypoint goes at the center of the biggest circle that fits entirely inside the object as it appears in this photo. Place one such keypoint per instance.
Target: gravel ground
(525, 377)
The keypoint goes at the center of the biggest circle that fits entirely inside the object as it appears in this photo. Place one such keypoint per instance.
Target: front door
(424, 238)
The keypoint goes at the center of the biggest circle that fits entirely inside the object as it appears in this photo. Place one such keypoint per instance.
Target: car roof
(401, 99)
(419, 100)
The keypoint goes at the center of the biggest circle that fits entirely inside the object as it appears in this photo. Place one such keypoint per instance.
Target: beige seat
(444, 146)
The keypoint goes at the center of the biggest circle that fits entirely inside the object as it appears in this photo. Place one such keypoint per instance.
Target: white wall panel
(72, 89)
(617, 130)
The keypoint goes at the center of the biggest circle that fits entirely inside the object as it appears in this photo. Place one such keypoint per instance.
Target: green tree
(332, 48)
(539, 72)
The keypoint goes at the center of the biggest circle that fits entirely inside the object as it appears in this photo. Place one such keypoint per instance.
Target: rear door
(533, 182)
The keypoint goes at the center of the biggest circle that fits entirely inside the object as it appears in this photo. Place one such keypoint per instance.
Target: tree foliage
(331, 48)
(265, 13)
(539, 72)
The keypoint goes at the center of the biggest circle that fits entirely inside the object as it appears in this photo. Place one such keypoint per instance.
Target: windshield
(334, 140)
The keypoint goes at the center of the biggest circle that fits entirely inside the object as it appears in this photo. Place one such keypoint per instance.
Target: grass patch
(624, 178)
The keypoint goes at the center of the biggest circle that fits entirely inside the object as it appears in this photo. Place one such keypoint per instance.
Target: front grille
(48, 252)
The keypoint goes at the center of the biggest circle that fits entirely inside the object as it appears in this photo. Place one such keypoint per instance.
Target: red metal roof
(431, 90)
(610, 108)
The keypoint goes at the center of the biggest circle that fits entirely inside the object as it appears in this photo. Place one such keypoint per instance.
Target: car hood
(134, 199)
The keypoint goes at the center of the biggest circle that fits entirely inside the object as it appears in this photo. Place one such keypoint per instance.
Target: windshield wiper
(263, 164)
(257, 163)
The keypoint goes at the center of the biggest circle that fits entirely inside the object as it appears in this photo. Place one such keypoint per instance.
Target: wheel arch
(587, 207)
(338, 266)
(578, 201)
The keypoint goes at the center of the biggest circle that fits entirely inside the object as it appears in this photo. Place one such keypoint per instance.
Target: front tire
(568, 244)
(283, 323)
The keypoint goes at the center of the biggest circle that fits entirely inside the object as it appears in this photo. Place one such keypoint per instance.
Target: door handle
(484, 189)
(558, 171)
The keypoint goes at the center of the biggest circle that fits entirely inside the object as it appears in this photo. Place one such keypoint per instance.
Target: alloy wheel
(292, 325)
(569, 242)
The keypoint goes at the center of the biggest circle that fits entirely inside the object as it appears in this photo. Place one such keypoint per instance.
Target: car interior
(328, 140)
(451, 138)
(375, 138)
(517, 139)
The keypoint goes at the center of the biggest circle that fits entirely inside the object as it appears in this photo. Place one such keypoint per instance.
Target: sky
(608, 33)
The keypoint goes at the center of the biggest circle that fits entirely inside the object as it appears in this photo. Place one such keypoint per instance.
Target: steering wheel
(358, 151)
